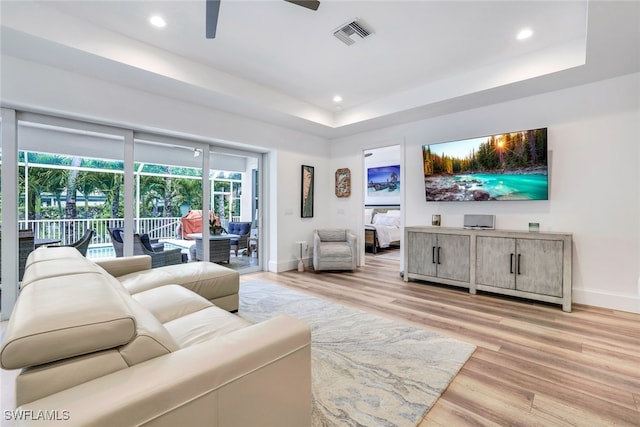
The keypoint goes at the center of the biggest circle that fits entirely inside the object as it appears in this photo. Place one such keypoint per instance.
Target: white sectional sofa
(148, 347)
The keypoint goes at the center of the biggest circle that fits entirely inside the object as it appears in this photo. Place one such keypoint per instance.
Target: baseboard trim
(629, 303)
(279, 267)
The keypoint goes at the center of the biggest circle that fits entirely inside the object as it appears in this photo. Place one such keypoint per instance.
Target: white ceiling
(278, 62)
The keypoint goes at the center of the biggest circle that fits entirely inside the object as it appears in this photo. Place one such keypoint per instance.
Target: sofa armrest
(120, 266)
(258, 375)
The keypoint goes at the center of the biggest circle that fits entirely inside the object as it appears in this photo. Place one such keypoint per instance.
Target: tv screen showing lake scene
(508, 166)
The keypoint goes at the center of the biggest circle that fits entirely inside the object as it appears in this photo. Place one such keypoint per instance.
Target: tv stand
(518, 263)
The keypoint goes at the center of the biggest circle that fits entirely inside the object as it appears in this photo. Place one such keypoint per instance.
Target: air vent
(345, 32)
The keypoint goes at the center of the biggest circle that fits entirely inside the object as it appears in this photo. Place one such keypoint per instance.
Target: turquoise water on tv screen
(508, 186)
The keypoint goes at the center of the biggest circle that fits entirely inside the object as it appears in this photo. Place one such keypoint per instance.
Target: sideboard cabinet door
(420, 250)
(495, 258)
(539, 266)
(453, 255)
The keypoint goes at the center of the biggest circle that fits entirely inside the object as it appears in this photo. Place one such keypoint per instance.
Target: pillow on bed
(368, 216)
(393, 213)
(384, 219)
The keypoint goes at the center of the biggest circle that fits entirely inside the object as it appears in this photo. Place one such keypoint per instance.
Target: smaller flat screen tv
(508, 166)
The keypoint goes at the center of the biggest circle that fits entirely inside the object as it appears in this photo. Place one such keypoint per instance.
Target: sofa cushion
(51, 252)
(54, 267)
(170, 302)
(204, 325)
(151, 339)
(207, 279)
(58, 318)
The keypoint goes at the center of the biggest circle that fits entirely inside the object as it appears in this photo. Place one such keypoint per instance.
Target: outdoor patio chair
(143, 246)
(116, 240)
(242, 230)
(82, 244)
(26, 245)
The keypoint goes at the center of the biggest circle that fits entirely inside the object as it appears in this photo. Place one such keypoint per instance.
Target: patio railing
(70, 230)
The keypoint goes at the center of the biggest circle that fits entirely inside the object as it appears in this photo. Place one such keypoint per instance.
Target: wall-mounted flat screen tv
(508, 166)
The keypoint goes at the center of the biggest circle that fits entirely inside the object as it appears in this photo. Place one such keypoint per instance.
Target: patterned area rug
(366, 370)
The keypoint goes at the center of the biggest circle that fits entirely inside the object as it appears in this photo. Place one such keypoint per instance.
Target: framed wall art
(383, 185)
(343, 182)
(306, 209)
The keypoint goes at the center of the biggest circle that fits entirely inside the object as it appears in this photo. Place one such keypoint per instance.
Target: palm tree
(87, 183)
(188, 191)
(151, 189)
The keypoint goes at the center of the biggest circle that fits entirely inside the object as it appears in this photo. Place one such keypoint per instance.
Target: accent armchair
(334, 249)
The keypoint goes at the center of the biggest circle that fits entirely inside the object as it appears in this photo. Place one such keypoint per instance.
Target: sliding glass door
(69, 177)
(235, 200)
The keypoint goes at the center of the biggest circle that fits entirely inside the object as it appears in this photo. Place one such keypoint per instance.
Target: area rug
(366, 370)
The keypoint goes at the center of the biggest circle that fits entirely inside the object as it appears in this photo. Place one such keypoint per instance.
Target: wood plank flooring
(535, 365)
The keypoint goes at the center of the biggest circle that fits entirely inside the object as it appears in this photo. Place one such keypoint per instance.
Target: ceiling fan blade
(309, 4)
(211, 16)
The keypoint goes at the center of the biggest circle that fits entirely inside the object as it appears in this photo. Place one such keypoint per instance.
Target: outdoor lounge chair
(143, 246)
(82, 244)
(26, 245)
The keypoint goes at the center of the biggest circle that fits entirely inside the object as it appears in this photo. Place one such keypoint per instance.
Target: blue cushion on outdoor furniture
(116, 233)
(242, 230)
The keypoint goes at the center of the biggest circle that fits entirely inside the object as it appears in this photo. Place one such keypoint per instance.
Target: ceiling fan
(213, 7)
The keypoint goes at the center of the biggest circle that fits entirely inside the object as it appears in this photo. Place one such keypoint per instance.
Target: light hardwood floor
(534, 364)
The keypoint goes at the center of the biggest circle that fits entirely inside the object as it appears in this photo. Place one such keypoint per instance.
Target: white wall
(593, 133)
(286, 222)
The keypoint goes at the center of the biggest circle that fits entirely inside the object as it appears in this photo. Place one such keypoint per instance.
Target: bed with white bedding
(382, 227)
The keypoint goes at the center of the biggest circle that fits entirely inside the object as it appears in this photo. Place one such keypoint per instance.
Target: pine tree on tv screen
(508, 166)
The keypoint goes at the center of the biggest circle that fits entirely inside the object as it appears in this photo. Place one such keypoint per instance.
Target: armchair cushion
(116, 234)
(239, 228)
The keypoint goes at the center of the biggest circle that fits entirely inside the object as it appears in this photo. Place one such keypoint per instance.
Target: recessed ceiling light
(337, 99)
(525, 33)
(158, 21)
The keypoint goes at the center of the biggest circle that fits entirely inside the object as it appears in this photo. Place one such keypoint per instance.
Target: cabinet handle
(433, 254)
(438, 254)
(510, 263)
(519, 255)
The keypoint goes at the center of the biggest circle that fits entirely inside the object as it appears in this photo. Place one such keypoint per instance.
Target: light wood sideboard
(522, 264)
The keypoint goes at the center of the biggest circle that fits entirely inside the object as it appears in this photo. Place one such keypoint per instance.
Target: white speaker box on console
(484, 222)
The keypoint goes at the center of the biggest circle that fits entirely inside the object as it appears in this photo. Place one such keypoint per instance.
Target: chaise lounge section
(128, 348)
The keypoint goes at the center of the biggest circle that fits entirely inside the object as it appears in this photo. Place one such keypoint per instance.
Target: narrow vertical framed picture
(306, 209)
(343, 182)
